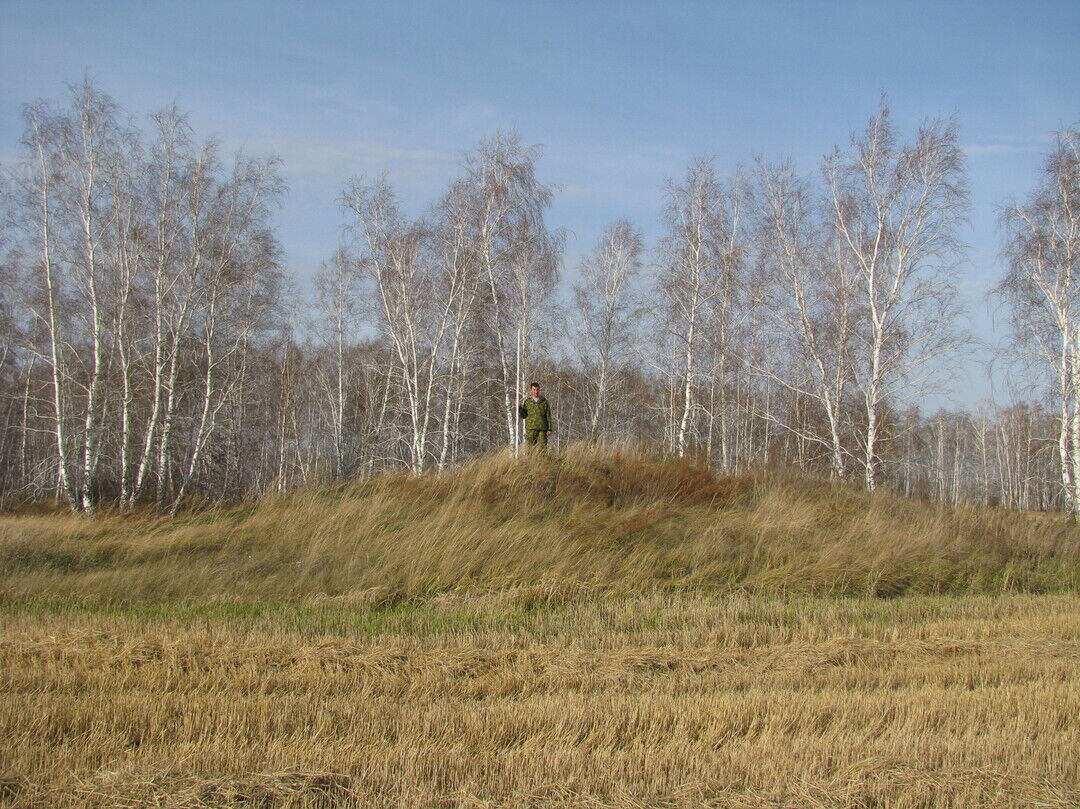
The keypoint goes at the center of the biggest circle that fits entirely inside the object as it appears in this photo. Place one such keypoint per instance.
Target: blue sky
(619, 94)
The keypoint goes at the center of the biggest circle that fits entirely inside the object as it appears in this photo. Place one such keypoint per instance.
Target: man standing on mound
(536, 410)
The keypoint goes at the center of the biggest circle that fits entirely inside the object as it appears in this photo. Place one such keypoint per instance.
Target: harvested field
(512, 699)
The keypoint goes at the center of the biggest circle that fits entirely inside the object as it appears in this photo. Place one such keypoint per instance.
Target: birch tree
(606, 309)
(89, 142)
(338, 302)
(394, 255)
(810, 307)
(46, 295)
(171, 282)
(458, 283)
(518, 257)
(896, 210)
(238, 285)
(67, 175)
(689, 285)
(1042, 287)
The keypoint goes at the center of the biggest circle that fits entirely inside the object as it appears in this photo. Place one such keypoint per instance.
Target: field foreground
(601, 629)
(523, 698)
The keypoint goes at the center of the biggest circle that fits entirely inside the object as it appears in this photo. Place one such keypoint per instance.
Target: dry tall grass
(603, 629)
(611, 516)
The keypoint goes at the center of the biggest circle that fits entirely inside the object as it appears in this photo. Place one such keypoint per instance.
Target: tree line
(153, 349)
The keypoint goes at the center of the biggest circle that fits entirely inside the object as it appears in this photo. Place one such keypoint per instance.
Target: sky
(619, 95)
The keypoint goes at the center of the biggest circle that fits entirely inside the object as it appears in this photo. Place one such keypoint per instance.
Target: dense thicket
(147, 352)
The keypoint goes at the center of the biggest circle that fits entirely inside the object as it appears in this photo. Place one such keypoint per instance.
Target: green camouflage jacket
(537, 414)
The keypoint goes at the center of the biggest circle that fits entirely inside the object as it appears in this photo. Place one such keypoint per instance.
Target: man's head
(534, 390)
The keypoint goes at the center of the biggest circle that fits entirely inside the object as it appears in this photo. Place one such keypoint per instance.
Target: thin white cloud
(1008, 144)
(308, 157)
(578, 191)
(978, 149)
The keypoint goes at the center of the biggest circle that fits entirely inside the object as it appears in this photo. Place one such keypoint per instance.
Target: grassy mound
(610, 517)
